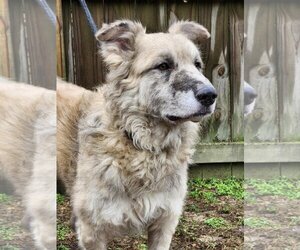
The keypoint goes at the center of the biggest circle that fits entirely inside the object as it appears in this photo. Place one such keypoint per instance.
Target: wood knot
(264, 70)
(221, 70)
(218, 114)
(258, 114)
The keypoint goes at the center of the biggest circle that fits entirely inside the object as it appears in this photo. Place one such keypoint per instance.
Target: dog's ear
(193, 31)
(118, 40)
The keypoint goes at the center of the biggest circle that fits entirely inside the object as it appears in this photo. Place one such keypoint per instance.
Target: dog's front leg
(161, 231)
(88, 238)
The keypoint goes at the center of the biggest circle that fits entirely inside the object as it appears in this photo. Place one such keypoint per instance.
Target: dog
(28, 154)
(123, 151)
(250, 96)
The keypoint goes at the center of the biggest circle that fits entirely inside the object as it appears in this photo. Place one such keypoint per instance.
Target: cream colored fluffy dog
(123, 151)
(28, 154)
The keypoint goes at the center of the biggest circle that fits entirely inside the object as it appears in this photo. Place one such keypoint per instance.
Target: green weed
(281, 187)
(9, 247)
(216, 222)
(8, 233)
(256, 222)
(142, 246)
(60, 199)
(63, 247)
(210, 189)
(4, 198)
(62, 231)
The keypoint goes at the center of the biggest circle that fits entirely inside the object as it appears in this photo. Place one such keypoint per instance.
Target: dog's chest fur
(121, 185)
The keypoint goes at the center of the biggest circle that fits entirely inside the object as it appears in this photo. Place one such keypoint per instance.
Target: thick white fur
(27, 154)
(127, 168)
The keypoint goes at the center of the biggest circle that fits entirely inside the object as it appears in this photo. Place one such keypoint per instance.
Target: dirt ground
(13, 235)
(219, 214)
(209, 221)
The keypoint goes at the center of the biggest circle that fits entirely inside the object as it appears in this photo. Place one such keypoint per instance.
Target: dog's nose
(207, 95)
(249, 96)
(249, 93)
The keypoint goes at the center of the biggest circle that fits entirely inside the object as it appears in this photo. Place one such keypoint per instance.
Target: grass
(193, 208)
(9, 247)
(62, 247)
(142, 246)
(216, 222)
(295, 221)
(8, 233)
(60, 199)
(63, 231)
(4, 198)
(280, 187)
(211, 189)
(257, 222)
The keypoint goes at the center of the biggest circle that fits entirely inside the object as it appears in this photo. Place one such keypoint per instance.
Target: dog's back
(70, 99)
(27, 154)
(20, 108)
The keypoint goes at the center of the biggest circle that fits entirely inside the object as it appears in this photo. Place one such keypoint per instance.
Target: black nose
(207, 95)
(249, 96)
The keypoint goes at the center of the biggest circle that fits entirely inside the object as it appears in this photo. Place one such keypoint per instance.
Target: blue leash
(48, 11)
(89, 17)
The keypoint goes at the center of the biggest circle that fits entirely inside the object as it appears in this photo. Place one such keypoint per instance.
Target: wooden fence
(267, 28)
(81, 64)
(266, 53)
(27, 43)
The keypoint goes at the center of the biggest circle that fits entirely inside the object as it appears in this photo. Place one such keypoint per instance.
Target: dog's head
(165, 69)
(249, 98)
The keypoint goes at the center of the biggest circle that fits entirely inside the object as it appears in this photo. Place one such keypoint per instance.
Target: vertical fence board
(60, 52)
(236, 14)
(33, 43)
(218, 125)
(288, 59)
(6, 56)
(260, 71)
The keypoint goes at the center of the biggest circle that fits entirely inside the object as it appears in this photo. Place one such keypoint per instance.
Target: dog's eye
(198, 65)
(163, 66)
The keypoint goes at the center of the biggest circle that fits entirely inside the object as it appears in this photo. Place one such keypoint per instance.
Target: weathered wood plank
(217, 127)
(250, 153)
(219, 153)
(60, 52)
(288, 65)
(236, 39)
(260, 72)
(6, 56)
(273, 152)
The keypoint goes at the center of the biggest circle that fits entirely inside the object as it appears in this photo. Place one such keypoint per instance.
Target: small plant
(9, 247)
(60, 199)
(210, 189)
(63, 247)
(62, 231)
(255, 222)
(4, 198)
(280, 187)
(8, 233)
(216, 222)
(226, 209)
(209, 196)
(142, 246)
(295, 221)
(192, 208)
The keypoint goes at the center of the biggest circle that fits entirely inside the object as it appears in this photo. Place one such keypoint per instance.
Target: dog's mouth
(194, 117)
